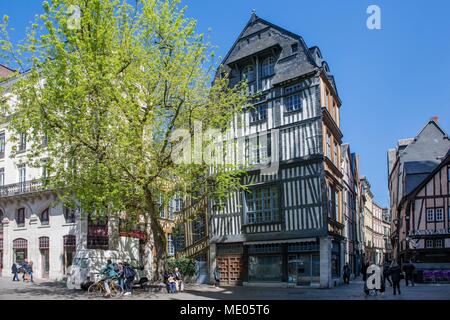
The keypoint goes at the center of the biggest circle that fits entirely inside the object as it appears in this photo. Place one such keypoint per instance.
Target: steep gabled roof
(260, 36)
(445, 161)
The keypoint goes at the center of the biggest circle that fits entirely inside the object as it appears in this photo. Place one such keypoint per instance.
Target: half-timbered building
(419, 191)
(287, 228)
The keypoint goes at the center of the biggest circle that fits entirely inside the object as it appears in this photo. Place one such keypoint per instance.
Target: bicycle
(98, 288)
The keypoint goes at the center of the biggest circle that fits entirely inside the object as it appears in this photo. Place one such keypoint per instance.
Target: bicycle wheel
(96, 289)
(116, 290)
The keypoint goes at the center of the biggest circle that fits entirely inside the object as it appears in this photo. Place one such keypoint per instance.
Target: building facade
(418, 184)
(387, 234)
(287, 229)
(367, 208)
(350, 209)
(378, 234)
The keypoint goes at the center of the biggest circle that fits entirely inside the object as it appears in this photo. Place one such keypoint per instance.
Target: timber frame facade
(419, 180)
(288, 228)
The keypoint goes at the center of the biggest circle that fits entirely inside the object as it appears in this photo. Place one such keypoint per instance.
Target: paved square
(48, 290)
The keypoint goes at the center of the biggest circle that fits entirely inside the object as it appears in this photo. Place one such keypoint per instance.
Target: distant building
(419, 178)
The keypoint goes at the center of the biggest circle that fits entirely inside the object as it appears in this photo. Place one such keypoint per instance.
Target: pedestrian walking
(364, 267)
(408, 269)
(386, 273)
(346, 274)
(178, 279)
(30, 271)
(15, 272)
(25, 270)
(217, 276)
(129, 274)
(395, 271)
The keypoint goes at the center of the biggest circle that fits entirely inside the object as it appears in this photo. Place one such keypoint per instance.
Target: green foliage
(109, 95)
(186, 266)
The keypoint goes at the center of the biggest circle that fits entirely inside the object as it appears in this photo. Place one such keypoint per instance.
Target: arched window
(267, 67)
(248, 73)
(45, 217)
(20, 250)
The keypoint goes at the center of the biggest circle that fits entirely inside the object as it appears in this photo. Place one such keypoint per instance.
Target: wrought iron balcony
(21, 188)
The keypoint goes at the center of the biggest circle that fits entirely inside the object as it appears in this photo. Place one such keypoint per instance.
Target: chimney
(435, 119)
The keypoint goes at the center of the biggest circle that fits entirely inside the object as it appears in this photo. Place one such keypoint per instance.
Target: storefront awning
(280, 241)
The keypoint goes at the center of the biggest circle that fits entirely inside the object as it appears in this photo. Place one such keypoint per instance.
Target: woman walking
(394, 272)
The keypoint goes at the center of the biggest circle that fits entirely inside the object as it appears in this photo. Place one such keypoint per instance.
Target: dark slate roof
(260, 35)
(416, 172)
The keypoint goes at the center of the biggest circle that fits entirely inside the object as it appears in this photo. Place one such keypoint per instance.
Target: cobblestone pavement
(47, 290)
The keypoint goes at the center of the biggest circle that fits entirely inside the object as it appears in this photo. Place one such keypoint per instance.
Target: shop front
(292, 263)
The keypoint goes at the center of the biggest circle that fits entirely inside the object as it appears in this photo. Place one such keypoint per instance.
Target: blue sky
(391, 81)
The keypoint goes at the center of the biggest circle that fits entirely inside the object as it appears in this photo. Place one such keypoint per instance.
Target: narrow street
(46, 290)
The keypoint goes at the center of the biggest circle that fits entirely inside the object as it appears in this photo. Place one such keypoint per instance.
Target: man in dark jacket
(395, 271)
(386, 274)
(346, 274)
(364, 267)
(15, 272)
(408, 269)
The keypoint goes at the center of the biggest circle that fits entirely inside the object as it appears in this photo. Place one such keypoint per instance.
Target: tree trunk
(156, 240)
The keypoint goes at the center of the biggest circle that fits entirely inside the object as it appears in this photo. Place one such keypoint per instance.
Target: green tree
(107, 92)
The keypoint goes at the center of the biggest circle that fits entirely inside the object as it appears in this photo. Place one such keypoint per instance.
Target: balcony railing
(20, 188)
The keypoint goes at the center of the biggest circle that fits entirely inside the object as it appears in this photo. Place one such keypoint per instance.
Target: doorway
(70, 248)
(303, 269)
(20, 250)
(44, 248)
(230, 269)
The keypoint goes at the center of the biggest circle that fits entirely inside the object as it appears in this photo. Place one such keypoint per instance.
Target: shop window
(70, 246)
(262, 205)
(20, 250)
(263, 268)
(97, 237)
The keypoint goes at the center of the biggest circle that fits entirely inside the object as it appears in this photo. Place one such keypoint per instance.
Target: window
(428, 243)
(328, 146)
(439, 243)
(293, 88)
(293, 103)
(430, 215)
(258, 113)
(44, 168)
(45, 217)
(2, 177)
(2, 144)
(22, 176)
(327, 97)
(262, 205)
(439, 214)
(170, 246)
(199, 227)
(259, 149)
(97, 237)
(44, 140)
(335, 159)
(267, 67)
(21, 217)
(22, 142)
(294, 47)
(248, 73)
(69, 215)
